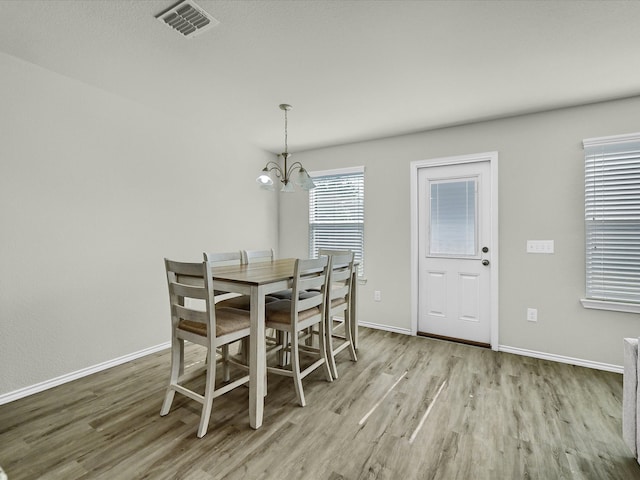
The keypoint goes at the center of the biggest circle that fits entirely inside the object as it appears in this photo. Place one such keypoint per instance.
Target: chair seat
(243, 302)
(282, 294)
(286, 294)
(280, 312)
(228, 320)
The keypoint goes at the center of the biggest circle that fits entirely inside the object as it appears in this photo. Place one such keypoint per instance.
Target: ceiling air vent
(188, 19)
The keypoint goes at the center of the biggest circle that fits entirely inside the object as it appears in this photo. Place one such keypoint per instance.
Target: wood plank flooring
(410, 408)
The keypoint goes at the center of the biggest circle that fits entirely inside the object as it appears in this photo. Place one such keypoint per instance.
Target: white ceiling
(353, 70)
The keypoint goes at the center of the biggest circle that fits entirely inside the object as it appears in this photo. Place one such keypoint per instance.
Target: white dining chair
(231, 300)
(211, 327)
(268, 255)
(338, 311)
(241, 257)
(254, 256)
(297, 317)
(265, 255)
(221, 259)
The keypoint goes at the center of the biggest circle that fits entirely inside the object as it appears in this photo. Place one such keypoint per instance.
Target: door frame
(492, 158)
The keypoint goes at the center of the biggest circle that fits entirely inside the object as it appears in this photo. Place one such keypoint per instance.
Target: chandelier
(290, 174)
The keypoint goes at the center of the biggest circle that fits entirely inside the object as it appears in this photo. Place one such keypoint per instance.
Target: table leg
(257, 359)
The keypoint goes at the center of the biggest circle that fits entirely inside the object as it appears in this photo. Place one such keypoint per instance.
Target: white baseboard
(54, 382)
(387, 328)
(562, 359)
(522, 351)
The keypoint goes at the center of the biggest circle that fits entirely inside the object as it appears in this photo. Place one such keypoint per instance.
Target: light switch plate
(540, 246)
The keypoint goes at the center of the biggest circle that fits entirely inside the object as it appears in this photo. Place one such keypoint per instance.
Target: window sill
(612, 306)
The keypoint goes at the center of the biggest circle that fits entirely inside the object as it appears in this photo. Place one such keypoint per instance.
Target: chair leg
(226, 366)
(284, 355)
(309, 335)
(279, 340)
(354, 331)
(295, 368)
(226, 371)
(181, 362)
(329, 348)
(177, 367)
(243, 351)
(322, 348)
(349, 335)
(208, 396)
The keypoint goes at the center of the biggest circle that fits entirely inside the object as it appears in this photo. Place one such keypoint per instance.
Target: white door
(454, 229)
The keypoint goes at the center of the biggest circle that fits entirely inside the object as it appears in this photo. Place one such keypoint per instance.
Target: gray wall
(94, 191)
(540, 198)
(90, 183)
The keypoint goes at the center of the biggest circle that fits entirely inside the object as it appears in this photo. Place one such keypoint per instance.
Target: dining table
(257, 280)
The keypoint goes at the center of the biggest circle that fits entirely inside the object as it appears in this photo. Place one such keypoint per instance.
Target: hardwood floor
(410, 408)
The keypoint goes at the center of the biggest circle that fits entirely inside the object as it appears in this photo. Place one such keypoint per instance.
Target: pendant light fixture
(294, 173)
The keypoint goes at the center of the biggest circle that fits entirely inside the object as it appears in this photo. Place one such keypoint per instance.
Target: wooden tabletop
(257, 273)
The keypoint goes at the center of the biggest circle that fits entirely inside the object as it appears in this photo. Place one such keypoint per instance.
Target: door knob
(485, 262)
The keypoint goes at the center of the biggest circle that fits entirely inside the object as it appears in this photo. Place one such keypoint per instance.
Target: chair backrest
(329, 252)
(252, 256)
(310, 274)
(190, 281)
(340, 275)
(221, 259)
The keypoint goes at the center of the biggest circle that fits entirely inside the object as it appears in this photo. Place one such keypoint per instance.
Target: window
(612, 221)
(452, 222)
(336, 212)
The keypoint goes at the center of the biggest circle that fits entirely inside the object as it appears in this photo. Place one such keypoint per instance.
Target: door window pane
(453, 217)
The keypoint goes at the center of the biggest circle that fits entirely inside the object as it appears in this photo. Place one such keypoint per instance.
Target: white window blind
(336, 212)
(452, 222)
(612, 216)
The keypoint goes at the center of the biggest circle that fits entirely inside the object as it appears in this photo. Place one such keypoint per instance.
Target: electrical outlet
(376, 296)
(532, 314)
